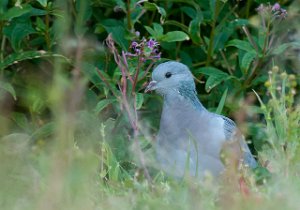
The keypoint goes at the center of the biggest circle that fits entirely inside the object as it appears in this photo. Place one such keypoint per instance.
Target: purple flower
(137, 33)
(152, 43)
(283, 13)
(144, 49)
(261, 8)
(134, 45)
(137, 51)
(276, 7)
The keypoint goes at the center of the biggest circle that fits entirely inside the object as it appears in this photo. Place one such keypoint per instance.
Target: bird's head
(169, 77)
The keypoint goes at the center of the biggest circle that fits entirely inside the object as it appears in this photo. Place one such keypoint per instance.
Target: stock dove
(190, 138)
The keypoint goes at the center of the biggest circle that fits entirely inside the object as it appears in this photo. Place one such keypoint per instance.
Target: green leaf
(156, 32)
(3, 6)
(240, 44)
(21, 120)
(151, 31)
(116, 28)
(152, 7)
(158, 29)
(43, 3)
(189, 11)
(17, 30)
(121, 4)
(17, 57)
(216, 76)
(194, 30)
(9, 88)
(16, 12)
(103, 104)
(283, 47)
(84, 12)
(44, 131)
(139, 100)
(222, 102)
(175, 36)
(247, 60)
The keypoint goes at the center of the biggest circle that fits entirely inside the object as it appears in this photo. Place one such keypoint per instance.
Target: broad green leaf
(210, 71)
(194, 28)
(239, 22)
(158, 29)
(139, 100)
(17, 30)
(9, 88)
(116, 28)
(222, 102)
(21, 120)
(163, 13)
(240, 44)
(17, 57)
(151, 31)
(16, 12)
(247, 60)
(175, 36)
(3, 6)
(121, 4)
(183, 27)
(43, 2)
(189, 11)
(103, 104)
(216, 76)
(44, 131)
(152, 7)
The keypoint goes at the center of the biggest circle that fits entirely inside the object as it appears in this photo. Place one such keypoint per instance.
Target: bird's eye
(168, 74)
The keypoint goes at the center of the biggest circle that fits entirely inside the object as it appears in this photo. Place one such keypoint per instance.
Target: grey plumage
(190, 138)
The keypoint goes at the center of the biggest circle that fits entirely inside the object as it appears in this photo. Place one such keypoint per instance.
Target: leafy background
(77, 128)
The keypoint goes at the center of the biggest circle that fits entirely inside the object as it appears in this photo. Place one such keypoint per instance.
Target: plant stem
(3, 42)
(226, 62)
(212, 35)
(135, 80)
(128, 15)
(250, 39)
(47, 36)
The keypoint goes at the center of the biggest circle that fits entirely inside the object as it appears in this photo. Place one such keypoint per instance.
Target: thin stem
(212, 35)
(267, 38)
(128, 15)
(248, 5)
(3, 43)
(47, 36)
(102, 77)
(136, 75)
(249, 36)
(226, 62)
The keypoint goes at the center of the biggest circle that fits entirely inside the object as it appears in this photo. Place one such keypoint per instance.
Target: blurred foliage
(66, 93)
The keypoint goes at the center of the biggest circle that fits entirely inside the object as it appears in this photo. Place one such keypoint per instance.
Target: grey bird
(190, 138)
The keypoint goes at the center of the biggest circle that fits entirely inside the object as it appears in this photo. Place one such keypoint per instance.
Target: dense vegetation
(77, 129)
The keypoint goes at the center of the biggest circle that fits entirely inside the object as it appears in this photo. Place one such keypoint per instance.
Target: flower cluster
(145, 49)
(275, 11)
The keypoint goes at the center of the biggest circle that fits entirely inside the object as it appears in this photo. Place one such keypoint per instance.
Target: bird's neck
(184, 94)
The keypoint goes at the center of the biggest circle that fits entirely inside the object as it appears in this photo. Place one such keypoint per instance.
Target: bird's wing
(237, 142)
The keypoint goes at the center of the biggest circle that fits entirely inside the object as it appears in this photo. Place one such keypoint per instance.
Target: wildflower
(137, 33)
(145, 49)
(276, 7)
(152, 43)
(260, 9)
(134, 45)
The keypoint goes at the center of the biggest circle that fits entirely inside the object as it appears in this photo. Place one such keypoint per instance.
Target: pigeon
(190, 138)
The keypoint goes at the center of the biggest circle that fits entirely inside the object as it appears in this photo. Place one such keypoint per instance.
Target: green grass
(58, 174)
(67, 140)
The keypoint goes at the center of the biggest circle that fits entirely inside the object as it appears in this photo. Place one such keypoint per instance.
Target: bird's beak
(151, 86)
